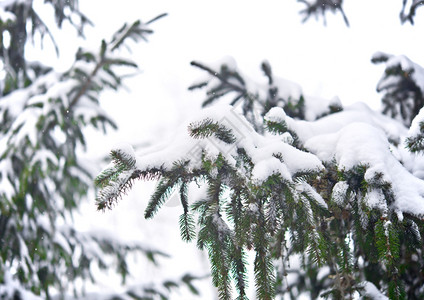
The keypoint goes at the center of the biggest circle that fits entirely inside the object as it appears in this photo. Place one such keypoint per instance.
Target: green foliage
(42, 177)
(208, 127)
(252, 99)
(403, 97)
(187, 225)
(409, 14)
(25, 25)
(319, 8)
(250, 210)
(161, 290)
(320, 217)
(117, 179)
(163, 191)
(415, 143)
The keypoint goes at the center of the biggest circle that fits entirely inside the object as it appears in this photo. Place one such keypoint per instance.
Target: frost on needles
(326, 198)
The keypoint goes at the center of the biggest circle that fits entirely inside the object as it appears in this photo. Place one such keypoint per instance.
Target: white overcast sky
(326, 61)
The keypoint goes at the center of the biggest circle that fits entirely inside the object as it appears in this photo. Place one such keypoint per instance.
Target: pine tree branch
(208, 127)
(220, 77)
(82, 91)
(412, 10)
(156, 18)
(321, 6)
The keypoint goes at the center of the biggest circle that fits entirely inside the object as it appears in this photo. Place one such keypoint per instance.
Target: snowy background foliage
(44, 176)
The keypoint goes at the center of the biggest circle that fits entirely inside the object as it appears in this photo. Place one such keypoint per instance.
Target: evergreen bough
(344, 225)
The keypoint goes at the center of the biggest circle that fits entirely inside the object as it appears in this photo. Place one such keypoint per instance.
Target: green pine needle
(264, 275)
(276, 127)
(122, 159)
(163, 191)
(187, 227)
(208, 127)
(105, 177)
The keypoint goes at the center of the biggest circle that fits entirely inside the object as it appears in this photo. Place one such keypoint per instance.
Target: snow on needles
(262, 150)
(363, 144)
(415, 128)
(371, 291)
(8, 290)
(354, 137)
(408, 65)
(358, 136)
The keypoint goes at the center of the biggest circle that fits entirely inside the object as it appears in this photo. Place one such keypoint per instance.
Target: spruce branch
(208, 127)
(225, 81)
(217, 243)
(264, 274)
(198, 85)
(105, 177)
(187, 227)
(415, 143)
(409, 16)
(344, 256)
(122, 181)
(263, 266)
(85, 87)
(218, 251)
(239, 271)
(322, 213)
(134, 31)
(276, 127)
(387, 243)
(183, 196)
(171, 178)
(115, 181)
(163, 190)
(412, 233)
(403, 97)
(266, 68)
(156, 18)
(320, 7)
(122, 159)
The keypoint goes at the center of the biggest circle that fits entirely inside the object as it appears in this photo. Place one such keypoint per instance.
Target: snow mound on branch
(359, 136)
(261, 149)
(372, 291)
(354, 144)
(356, 136)
(415, 126)
(5, 15)
(287, 89)
(276, 114)
(363, 144)
(358, 112)
(293, 160)
(317, 106)
(12, 289)
(407, 65)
